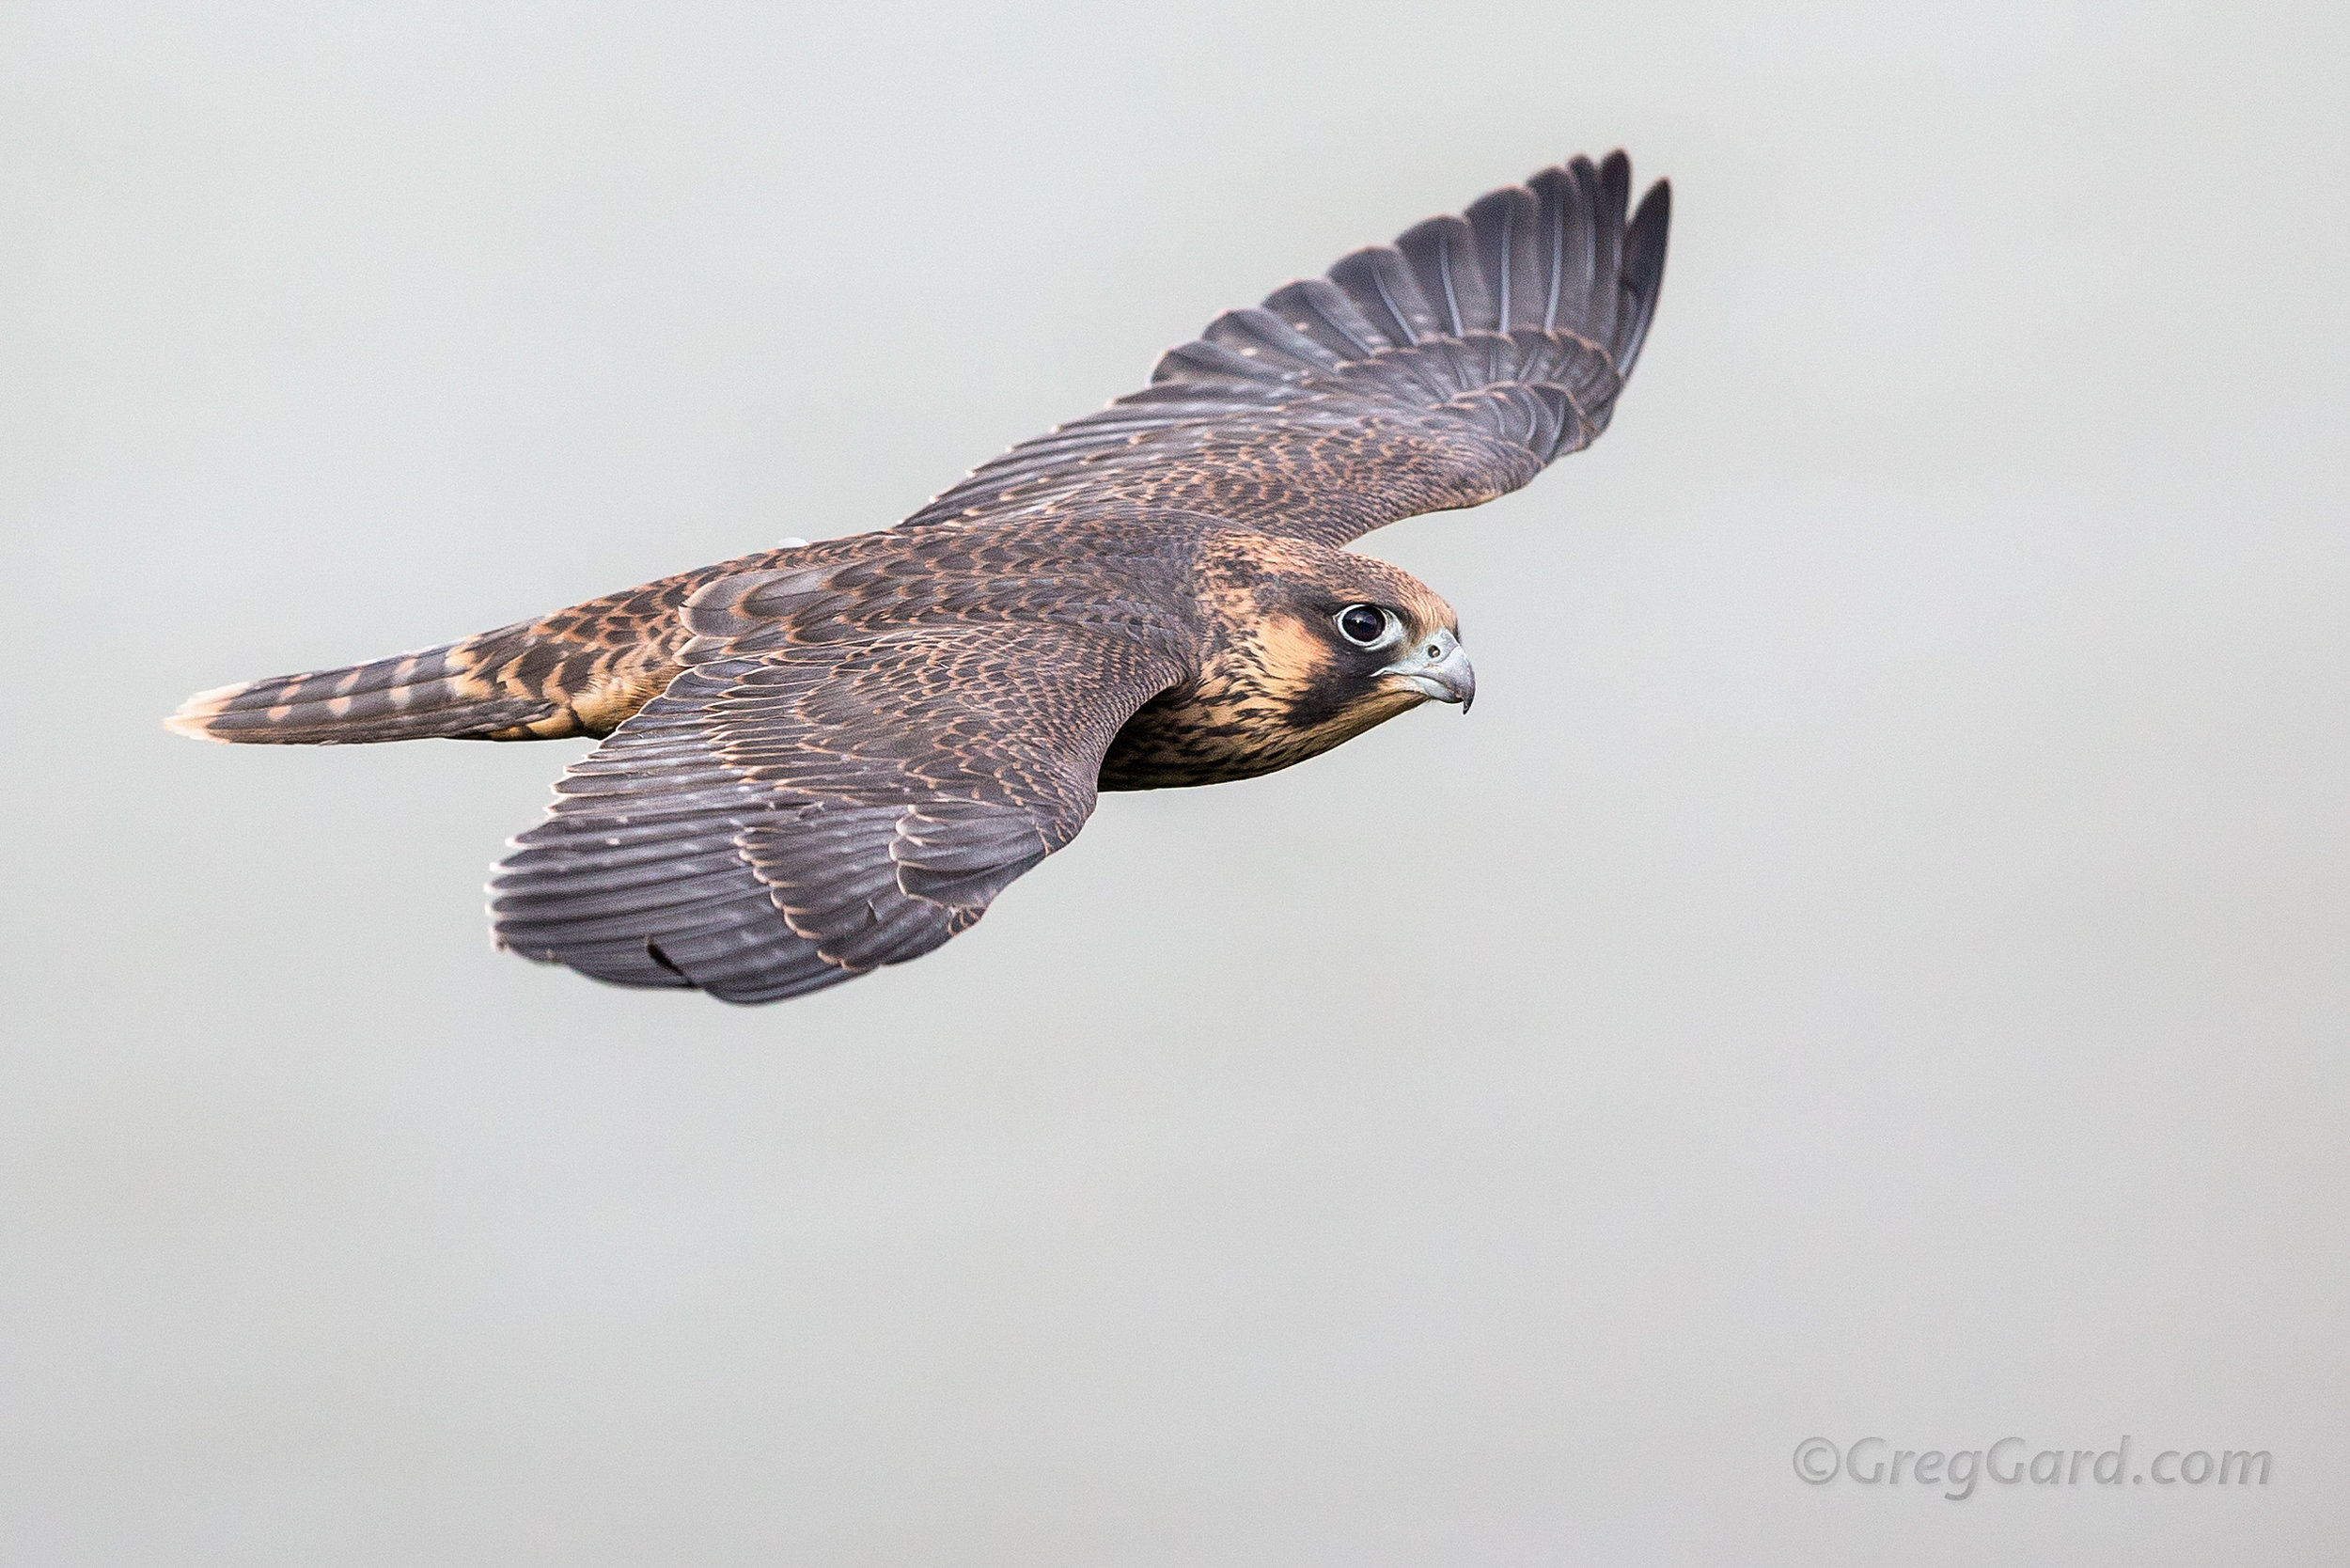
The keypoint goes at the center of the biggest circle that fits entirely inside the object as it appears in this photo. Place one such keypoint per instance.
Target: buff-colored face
(1366, 640)
(1317, 646)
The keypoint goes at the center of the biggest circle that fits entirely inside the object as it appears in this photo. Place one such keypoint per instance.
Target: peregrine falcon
(826, 758)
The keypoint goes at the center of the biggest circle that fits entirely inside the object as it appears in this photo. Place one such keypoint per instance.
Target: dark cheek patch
(1316, 703)
(1309, 679)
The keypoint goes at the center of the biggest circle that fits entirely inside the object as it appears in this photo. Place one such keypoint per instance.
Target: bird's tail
(468, 689)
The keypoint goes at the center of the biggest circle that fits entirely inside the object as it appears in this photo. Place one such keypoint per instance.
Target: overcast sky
(1871, 965)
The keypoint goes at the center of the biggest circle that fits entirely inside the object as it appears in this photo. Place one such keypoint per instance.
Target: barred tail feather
(443, 691)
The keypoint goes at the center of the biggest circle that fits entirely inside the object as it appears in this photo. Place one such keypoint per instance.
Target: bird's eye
(1364, 625)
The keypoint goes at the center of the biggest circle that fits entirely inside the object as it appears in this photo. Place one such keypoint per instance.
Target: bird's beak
(1435, 666)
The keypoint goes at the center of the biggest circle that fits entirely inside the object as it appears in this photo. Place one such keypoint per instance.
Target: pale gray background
(1873, 962)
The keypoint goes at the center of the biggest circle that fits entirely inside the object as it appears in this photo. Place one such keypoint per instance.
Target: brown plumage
(831, 757)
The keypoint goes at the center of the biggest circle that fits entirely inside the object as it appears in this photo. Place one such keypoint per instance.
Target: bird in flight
(826, 757)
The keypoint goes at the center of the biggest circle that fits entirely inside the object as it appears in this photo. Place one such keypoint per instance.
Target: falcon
(826, 758)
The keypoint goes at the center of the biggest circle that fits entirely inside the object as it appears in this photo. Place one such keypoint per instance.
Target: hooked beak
(1437, 667)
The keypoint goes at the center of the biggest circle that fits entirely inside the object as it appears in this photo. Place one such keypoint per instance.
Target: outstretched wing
(791, 813)
(1441, 371)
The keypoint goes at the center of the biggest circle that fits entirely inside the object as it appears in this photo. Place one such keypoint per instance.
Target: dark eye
(1363, 625)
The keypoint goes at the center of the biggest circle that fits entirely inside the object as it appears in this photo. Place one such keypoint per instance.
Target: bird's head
(1325, 644)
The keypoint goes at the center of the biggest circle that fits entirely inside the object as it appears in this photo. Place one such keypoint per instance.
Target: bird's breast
(1215, 730)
